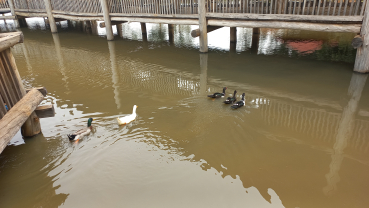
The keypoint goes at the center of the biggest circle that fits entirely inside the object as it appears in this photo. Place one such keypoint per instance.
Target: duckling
(82, 132)
(231, 100)
(240, 103)
(129, 118)
(218, 94)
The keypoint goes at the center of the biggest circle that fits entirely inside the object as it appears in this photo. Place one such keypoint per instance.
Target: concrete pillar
(50, 16)
(203, 26)
(108, 26)
(362, 54)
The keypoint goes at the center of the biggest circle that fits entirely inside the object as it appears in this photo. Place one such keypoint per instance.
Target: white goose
(127, 119)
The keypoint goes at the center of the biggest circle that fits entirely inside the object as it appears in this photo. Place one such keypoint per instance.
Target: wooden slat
(41, 89)
(7, 40)
(3, 110)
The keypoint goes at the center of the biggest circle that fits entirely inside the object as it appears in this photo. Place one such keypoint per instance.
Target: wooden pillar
(362, 54)
(12, 10)
(204, 73)
(203, 26)
(22, 22)
(108, 27)
(233, 34)
(255, 40)
(344, 132)
(143, 31)
(94, 27)
(171, 33)
(50, 17)
(120, 30)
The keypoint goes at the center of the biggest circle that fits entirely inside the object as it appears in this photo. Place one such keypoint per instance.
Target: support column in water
(362, 54)
(203, 27)
(255, 40)
(143, 31)
(108, 26)
(171, 33)
(50, 17)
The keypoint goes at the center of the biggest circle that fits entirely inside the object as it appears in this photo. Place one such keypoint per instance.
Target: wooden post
(12, 11)
(50, 17)
(362, 54)
(108, 28)
(22, 22)
(171, 33)
(204, 73)
(120, 30)
(233, 34)
(14, 119)
(94, 27)
(203, 26)
(143, 31)
(255, 40)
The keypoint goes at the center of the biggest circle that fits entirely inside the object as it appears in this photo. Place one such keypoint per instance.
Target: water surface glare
(300, 141)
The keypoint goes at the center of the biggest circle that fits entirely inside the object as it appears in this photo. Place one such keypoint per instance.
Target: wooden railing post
(362, 54)
(50, 17)
(12, 10)
(203, 26)
(108, 28)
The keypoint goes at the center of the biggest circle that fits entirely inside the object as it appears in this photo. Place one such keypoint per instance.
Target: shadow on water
(302, 136)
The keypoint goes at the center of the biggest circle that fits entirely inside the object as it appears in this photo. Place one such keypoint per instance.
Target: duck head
(234, 94)
(224, 89)
(89, 122)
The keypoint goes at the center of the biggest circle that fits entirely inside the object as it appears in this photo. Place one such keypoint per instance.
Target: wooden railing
(174, 7)
(4, 5)
(294, 7)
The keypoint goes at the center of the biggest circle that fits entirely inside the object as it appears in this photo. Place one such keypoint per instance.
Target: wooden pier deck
(315, 15)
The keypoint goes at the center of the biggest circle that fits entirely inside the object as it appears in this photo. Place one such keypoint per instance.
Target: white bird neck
(134, 110)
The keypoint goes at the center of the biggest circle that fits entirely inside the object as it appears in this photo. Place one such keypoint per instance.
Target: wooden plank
(45, 111)
(15, 118)
(7, 17)
(41, 89)
(351, 28)
(8, 40)
(14, 84)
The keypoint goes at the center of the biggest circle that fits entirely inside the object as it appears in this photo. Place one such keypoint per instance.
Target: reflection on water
(300, 141)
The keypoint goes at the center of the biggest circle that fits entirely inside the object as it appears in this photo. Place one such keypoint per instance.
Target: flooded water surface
(300, 141)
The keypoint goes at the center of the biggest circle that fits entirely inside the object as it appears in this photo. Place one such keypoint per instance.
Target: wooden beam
(233, 34)
(320, 27)
(196, 33)
(45, 111)
(8, 40)
(30, 14)
(41, 89)
(102, 24)
(14, 119)
(362, 54)
(286, 17)
(158, 20)
(7, 17)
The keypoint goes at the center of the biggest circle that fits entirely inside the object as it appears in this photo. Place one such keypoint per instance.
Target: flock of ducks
(127, 119)
(230, 100)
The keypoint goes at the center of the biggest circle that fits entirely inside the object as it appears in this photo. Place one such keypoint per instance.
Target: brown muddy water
(300, 141)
